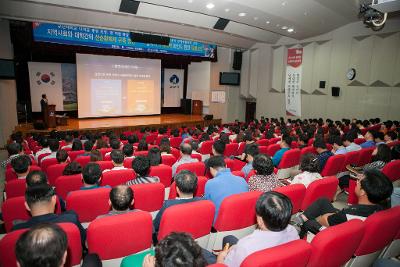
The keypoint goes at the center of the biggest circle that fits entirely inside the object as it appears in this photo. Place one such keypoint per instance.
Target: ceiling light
(284, 3)
(284, 27)
(227, 9)
(290, 30)
(242, 14)
(210, 5)
(190, 1)
(267, 22)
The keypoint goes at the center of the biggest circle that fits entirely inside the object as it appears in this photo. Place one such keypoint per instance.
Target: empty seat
(236, 216)
(68, 183)
(15, 188)
(164, 172)
(294, 253)
(54, 171)
(290, 160)
(89, 204)
(196, 167)
(179, 218)
(8, 242)
(206, 147)
(325, 187)
(272, 149)
(335, 245)
(148, 197)
(333, 166)
(296, 193)
(117, 177)
(365, 156)
(117, 236)
(201, 183)
(392, 170)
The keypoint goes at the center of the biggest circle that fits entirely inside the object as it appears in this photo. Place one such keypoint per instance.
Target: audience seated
(379, 138)
(21, 166)
(323, 153)
(87, 147)
(165, 146)
(369, 140)
(95, 155)
(154, 156)
(337, 145)
(373, 189)
(250, 151)
(36, 178)
(265, 179)
(62, 156)
(143, 146)
(14, 150)
(348, 142)
(53, 145)
(77, 145)
(186, 151)
(223, 184)
(127, 149)
(218, 148)
(309, 167)
(121, 199)
(45, 148)
(390, 137)
(285, 146)
(72, 168)
(117, 158)
(141, 166)
(67, 142)
(91, 176)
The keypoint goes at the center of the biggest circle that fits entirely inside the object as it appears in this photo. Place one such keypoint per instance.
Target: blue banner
(102, 38)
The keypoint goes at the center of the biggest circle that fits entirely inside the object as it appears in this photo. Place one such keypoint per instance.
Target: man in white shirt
(348, 142)
(53, 145)
(21, 166)
(45, 148)
(117, 158)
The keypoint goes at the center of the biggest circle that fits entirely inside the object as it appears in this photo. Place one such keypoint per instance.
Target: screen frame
(227, 83)
(5, 77)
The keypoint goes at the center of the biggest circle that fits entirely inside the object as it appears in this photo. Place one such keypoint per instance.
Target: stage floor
(120, 124)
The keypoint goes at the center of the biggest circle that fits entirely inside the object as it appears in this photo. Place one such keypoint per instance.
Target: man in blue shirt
(224, 183)
(337, 145)
(285, 146)
(369, 137)
(323, 153)
(250, 152)
(91, 175)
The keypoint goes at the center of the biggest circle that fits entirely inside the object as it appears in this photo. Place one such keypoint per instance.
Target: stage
(122, 124)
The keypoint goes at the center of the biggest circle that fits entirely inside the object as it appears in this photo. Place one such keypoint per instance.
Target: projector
(374, 15)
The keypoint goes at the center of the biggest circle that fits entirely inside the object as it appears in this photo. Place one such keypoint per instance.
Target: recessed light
(190, 1)
(284, 3)
(284, 27)
(210, 5)
(242, 14)
(267, 22)
(255, 18)
(227, 9)
(290, 30)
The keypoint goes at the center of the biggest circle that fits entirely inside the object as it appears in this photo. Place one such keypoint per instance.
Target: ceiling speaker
(149, 38)
(129, 6)
(221, 24)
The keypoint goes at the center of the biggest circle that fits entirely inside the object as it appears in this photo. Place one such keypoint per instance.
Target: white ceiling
(191, 19)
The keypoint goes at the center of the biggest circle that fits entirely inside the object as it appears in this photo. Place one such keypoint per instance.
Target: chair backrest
(168, 160)
(201, 183)
(351, 158)
(231, 149)
(128, 163)
(148, 197)
(196, 156)
(272, 149)
(365, 156)
(359, 141)
(296, 193)
(196, 167)
(290, 159)
(104, 151)
(68, 183)
(335, 245)
(83, 160)
(48, 162)
(89, 204)
(262, 142)
(74, 154)
(263, 149)
(179, 218)
(380, 229)
(55, 171)
(241, 174)
(15, 188)
(242, 146)
(307, 149)
(175, 141)
(392, 170)
(164, 172)
(151, 138)
(294, 253)
(175, 152)
(14, 209)
(143, 153)
(117, 177)
(234, 164)
(206, 147)
(11, 175)
(74, 254)
(325, 187)
(237, 211)
(333, 165)
(105, 165)
(123, 235)
(41, 156)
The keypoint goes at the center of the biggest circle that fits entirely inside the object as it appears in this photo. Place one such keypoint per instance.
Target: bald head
(121, 197)
(186, 149)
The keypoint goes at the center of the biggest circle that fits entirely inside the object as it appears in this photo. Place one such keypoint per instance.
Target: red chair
(175, 141)
(333, 165)
(11, 175)
(148, 197)
(351, 158)
(394, 247)
(294, 253)
(392, 170)
(296, 193)
(359, 141)
(272, 149)
(74, 154)
(262, 142)
(117, 177)
(380, 229)
(168, 160)
(179, 218)
(15, 188)
(68, 183)
(141, 153)
(89, 204)
(240, 173)
(201, 183)
(263, 150)
(164, 172)
(54, 171)
(151, 138)
(48, 162)
(128, 163)
(365, 156)
(231, 149)
(83, 160)
(251, 173)
(14, 209)
(290, 159)
(206, 147)
(242, 146)
(196, 167)
(234, 164)
(105, 165)
(74, 254)
(196, 156)
(104, 151)
(307, 149)
(336, 245)
(236, 216)
(325, 187)
(41, 156)
(175, 152)
(123, 235)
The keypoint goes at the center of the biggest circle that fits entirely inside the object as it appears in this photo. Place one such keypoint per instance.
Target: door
(250, 111)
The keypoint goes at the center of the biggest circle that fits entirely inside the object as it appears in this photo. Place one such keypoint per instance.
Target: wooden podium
(197, 107)
(51, 116)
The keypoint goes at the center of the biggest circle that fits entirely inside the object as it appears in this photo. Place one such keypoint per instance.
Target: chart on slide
(140, 96)
(106, 97)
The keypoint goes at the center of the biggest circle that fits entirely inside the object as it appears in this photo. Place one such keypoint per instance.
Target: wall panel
(278, 68)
